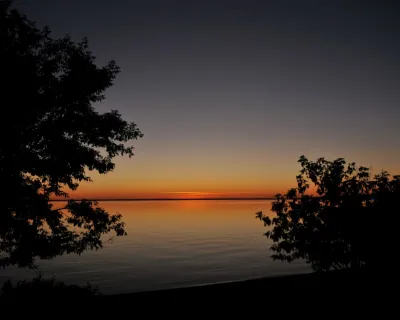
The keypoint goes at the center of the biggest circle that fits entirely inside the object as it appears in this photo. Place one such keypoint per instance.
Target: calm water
(173, 244)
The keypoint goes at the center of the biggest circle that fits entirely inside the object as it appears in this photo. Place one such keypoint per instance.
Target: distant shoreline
(165, 199)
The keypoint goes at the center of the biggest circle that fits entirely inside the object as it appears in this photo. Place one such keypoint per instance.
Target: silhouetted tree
(50, 137)
(340, 227)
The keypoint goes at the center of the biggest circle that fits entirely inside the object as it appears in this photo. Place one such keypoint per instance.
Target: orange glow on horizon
(169, 195)
(103, 190)
(174, 195)
(145, 185)
(113, 193)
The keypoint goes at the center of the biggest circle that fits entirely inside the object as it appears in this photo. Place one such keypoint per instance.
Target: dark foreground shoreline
(313, 283)
(329, 295)
(332, 292)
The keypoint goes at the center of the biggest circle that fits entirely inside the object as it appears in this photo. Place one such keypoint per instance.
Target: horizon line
(163, 199)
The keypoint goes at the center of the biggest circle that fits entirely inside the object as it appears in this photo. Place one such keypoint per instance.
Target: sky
(229, 94)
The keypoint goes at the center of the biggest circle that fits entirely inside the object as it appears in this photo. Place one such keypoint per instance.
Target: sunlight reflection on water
(173, 244)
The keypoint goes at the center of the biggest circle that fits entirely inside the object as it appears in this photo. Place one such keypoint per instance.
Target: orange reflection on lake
(171, 244)
(200, 217)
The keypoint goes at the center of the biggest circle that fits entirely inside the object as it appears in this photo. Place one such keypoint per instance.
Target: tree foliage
(50, 137)
(338, 227)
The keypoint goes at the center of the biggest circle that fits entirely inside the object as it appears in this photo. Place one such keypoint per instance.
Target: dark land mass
(339, 294)
(251, 289)
(336, 293)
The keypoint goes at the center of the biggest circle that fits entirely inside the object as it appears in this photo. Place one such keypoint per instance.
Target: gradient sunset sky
(230, 93)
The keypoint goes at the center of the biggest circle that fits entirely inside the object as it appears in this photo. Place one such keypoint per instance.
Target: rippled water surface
(173, 244)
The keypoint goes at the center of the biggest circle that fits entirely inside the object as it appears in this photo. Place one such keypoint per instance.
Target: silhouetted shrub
(347, 224)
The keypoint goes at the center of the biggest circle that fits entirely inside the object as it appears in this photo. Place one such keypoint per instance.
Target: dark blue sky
(233, 92)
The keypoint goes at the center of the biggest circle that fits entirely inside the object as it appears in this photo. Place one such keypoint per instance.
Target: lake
(173, 244)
